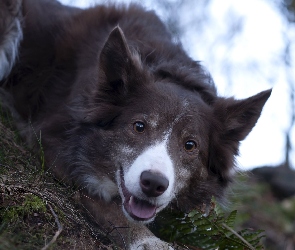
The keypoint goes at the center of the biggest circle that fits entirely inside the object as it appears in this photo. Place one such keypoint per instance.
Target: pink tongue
(141, 209)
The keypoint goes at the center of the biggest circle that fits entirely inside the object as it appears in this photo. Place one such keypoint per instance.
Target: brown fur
(81, 82)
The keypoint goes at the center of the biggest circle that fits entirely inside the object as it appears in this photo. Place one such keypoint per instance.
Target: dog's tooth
(131, 200)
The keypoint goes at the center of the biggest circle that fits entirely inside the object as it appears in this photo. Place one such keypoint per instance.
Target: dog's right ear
(116, 64)
(120, 72)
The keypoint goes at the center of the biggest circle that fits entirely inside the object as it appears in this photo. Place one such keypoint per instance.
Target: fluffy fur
(125, 115)
(11, 34)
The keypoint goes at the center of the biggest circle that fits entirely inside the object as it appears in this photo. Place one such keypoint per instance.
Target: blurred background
(248, 46)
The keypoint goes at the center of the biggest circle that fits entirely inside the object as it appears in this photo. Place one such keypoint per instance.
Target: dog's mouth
(138, 209)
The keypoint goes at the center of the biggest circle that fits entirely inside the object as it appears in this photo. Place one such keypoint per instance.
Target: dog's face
(157, 147)
(154, 141)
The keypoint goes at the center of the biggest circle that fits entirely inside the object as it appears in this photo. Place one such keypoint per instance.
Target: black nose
(153, 184)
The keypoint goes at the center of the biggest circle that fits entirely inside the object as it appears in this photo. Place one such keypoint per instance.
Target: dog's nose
(153, 184)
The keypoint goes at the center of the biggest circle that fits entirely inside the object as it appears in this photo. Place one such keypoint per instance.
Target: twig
(239, 236)
(59, 229)
(116, 229)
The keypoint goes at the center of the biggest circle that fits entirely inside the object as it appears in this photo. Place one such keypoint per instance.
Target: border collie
(125, 115)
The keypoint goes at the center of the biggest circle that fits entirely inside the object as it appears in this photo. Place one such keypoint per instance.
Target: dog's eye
(190, 146)
(139, 127)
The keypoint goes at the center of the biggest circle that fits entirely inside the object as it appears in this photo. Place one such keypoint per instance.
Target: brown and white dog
(125, 115)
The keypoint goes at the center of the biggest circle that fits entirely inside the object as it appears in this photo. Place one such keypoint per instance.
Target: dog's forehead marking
(169, 130)
(154, 120)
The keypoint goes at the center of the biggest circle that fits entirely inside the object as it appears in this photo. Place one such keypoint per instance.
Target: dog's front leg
(126, 234)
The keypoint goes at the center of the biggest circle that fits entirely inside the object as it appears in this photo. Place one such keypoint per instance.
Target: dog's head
(160, 138)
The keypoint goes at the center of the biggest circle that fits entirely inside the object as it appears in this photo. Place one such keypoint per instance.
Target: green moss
(25, 188)
(30, 205)
(17, 230)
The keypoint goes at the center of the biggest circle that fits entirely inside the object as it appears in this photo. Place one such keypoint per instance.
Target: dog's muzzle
(152, 185)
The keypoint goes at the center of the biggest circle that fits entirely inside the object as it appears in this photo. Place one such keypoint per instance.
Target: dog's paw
(150, 243)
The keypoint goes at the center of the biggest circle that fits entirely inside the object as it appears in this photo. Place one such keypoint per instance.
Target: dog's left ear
(240, 116)
(235, 120)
